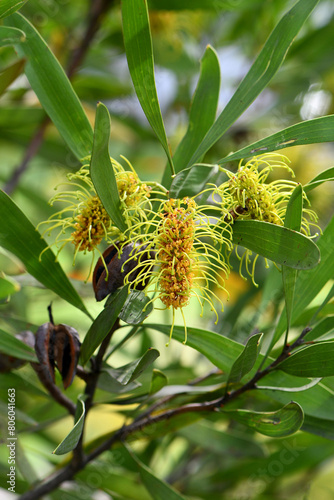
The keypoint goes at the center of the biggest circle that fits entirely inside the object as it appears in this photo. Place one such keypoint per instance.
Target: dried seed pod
(58, 345)
(66, 352)
(8, 363)
(44, 350)
(119, 266)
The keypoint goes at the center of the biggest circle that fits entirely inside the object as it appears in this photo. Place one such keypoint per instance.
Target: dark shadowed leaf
(135, 309)
(14, 347)
(127, 373)
(101, 169)
(315, 360)
(155, 486)
(280, 423)
(191, 181)
(18, 235)
(9, 74)
(102, 325)
(245, 362)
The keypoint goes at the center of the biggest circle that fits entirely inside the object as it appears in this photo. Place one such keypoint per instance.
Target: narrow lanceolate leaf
(245, 362)
(101, 169)
(326, 175)
(215, 5)
(315, 360)
(8, 7)
(18, 235)
(309, 283)
(293, 220)
(308, 132)
(102, 325)
(53, 89)
(158, 489)
(139, 53)
(277, 243)
(10, 36)
(260, 74)
(14, 347)
(280, 423)
(202, 112)
(9, 74)
(324, 327)
(220, 350)
(127, 373)
(71, 440)
(192, 181)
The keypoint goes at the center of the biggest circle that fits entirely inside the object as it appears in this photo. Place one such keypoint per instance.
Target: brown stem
(96, 12)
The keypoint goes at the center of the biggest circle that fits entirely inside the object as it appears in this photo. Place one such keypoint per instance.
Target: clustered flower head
(178, 246)
(248, 196)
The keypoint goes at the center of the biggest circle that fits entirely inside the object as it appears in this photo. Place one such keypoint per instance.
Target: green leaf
(276, 243)
(7, 7)
(9, 75)
(18, 235)
(158, 381)
(319, 426)
(326, 175)
(325, 326)
(127, 373)
(102, 171)
(197, 4)
(308, 132)
(10, 36)
(14, 347)
(315, 360)
(71, 440)
(246, 360)
(220, 350)
(300, 388)
(8, 286)
(202, 115)
(309, 283)
(134, 310)
(102, 325)
(293, 220)
(53, 89)
(139, 53)
(191, 181)
(158, 489)
(259, 75)
(280, 423)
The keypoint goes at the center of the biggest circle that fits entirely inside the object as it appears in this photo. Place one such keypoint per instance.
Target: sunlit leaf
(71, 440)
(276, 243)
(18, 235)
(139, 53)
(264, 68)
(101, 168)
(280, 423)
(53, 89)
(8, 286)
(7, 7)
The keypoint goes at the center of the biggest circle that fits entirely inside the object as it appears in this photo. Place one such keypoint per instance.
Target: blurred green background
(301, 90)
